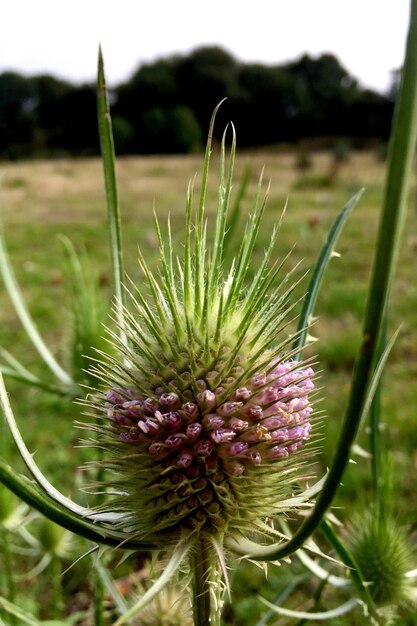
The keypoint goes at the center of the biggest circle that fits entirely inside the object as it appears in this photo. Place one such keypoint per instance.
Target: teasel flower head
(384, 554)
(205, 417)
(209, 459)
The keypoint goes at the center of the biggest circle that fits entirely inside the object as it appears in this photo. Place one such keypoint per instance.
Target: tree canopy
(165, 107)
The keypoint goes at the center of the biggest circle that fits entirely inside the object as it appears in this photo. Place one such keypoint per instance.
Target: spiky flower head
(383, 553)
(205, 413)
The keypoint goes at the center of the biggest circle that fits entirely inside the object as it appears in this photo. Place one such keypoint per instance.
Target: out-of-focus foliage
(166, 105)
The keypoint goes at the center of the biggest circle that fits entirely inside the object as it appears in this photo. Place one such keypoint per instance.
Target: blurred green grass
(43, 199)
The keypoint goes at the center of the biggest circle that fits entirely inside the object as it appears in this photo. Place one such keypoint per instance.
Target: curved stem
(26, 320)
(330, 483)
(355, 572)
(322, 616)
(317, 595)
(25, 490)
(402, 149)
(169, 572)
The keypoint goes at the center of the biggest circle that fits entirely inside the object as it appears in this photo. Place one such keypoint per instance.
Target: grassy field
(41, 200)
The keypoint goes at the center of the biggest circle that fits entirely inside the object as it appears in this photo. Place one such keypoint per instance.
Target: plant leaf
(113, 212)
(321, 616)
(26, 320)
(318, 273)
(180, 552)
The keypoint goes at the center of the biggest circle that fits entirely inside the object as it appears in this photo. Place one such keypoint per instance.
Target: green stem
(355, 572)
(317, 599)
(7, 562)
(56, 599)
(98, 601)
(201, 590)
(181, 551)
(401, 154)
(402, 149)
(5, 534)
(375, 425)
(99, 590)
(25, 490)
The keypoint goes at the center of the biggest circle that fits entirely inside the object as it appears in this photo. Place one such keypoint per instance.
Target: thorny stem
(201, 590)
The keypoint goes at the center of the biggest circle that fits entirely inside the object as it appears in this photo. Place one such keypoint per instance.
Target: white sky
(61, 38)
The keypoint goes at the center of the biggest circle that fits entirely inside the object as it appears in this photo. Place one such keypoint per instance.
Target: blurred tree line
(166, 106)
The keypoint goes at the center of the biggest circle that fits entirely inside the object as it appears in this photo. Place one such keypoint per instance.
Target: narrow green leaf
(320, 616)
(28, 458)
(315, 568)
(88, 312)
(239, 271)
(48, 500)
(170, 569)
(225, 189)
(376, 377)
(188, 260)
(30, 379)
(319, 270)
(113, 212)
(236, 208)
(26, 320)
(12, 609)
(109, 585)
(200, 237)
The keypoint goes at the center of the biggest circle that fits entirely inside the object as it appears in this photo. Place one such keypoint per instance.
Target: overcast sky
(61, 38)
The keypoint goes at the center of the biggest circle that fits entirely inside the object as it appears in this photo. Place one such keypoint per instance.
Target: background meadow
(41, 200)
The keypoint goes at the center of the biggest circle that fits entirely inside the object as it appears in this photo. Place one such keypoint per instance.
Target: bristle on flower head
(206, 411)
